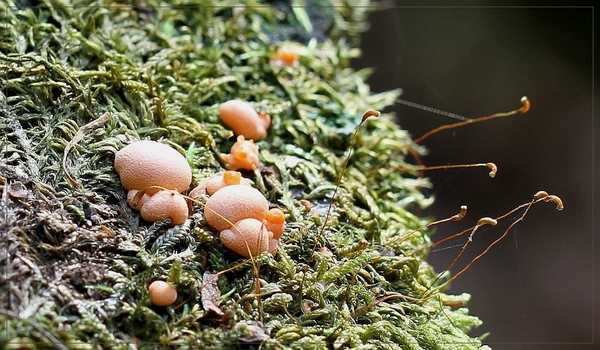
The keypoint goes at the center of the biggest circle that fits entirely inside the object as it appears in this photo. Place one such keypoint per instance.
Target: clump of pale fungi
(148, 166)
(241, 214)
(156, 174)
(250, 126)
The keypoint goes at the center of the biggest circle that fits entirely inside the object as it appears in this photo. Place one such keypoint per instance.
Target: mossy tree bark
(80, 79)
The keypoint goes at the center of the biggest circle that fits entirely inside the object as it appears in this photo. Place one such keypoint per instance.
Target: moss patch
(80, 79)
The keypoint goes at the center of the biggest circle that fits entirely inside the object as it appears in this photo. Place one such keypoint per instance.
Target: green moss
(79, 258)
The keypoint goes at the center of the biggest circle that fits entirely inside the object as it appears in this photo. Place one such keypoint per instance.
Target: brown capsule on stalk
(556, 200)
(487, 221)
(526, 105)
(461, 214)
(370, 113)
(493, 169)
